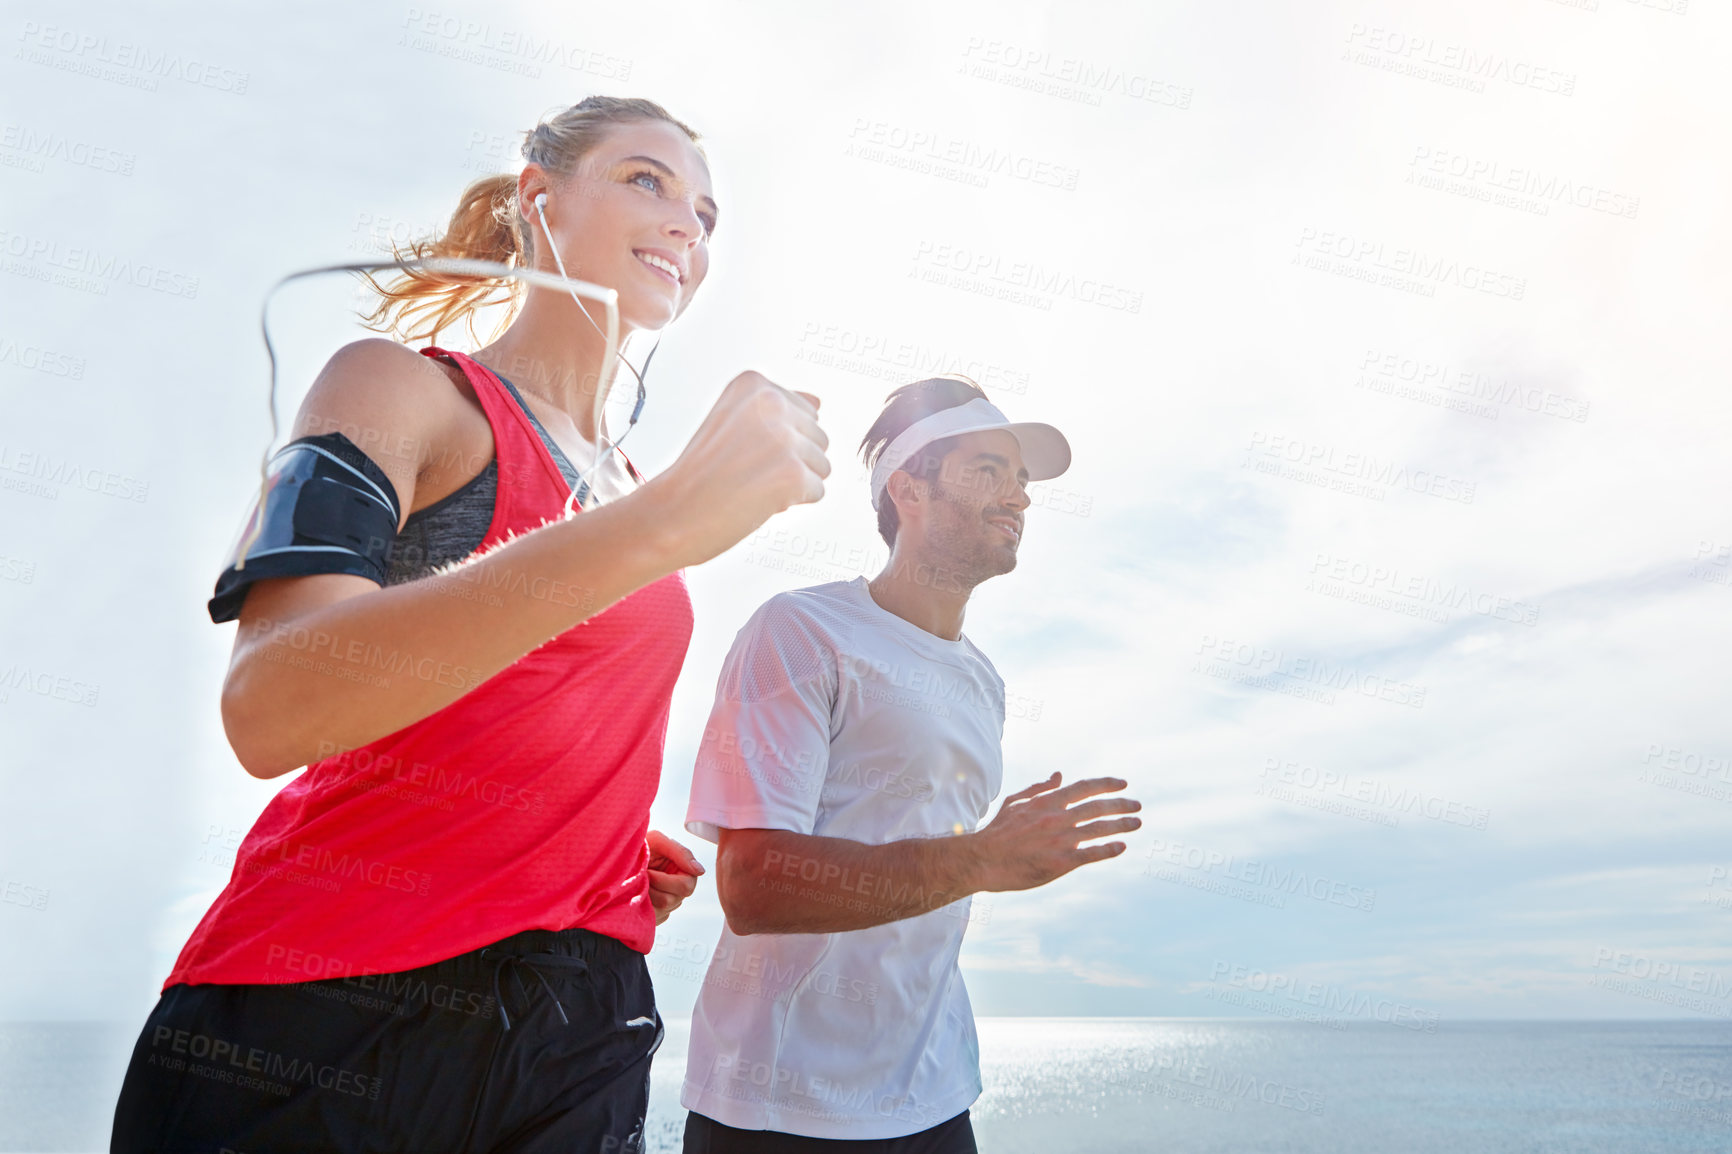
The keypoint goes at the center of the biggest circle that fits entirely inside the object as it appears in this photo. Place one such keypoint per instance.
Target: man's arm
(777, 881)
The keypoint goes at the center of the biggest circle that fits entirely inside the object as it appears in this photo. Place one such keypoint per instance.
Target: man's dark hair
(903, 407)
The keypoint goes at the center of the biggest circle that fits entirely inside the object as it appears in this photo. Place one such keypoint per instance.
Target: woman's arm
(304, 677)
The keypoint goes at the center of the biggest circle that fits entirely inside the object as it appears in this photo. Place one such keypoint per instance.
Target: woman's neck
(550, 350)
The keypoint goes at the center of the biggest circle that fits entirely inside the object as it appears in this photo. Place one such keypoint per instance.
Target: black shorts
(539, 1042)
(707, 1136)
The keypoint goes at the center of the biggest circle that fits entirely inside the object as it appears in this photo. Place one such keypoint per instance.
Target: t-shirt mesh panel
(782, 653)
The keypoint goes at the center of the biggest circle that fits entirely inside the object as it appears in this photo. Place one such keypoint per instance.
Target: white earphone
(595, 460)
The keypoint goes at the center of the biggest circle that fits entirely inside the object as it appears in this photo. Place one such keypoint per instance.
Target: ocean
(1165, 1086)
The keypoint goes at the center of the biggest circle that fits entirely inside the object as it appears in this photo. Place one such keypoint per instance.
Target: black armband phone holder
(326, 508)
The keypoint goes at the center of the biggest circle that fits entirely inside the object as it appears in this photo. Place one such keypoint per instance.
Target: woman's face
(636, 215)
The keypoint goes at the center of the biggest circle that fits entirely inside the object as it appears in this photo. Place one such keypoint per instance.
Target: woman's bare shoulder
(380, 388)
(406, 411)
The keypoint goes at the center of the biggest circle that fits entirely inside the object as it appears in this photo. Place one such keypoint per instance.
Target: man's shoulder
(827, 608)
(984, 662)
(792, 638)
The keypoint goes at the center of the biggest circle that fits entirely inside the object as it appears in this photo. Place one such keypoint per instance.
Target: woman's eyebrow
(654, 163)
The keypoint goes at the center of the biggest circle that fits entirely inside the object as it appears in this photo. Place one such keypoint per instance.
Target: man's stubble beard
(961, 540)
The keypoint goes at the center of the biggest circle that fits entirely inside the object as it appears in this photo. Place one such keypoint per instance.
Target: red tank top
(521, 805)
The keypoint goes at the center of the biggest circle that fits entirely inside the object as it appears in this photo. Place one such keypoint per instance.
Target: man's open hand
(1038, 833)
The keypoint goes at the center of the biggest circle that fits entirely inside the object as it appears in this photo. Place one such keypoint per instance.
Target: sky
(1393, 571)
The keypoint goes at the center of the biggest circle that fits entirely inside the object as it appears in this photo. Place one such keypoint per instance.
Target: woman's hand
(759, 451)
(673, 874)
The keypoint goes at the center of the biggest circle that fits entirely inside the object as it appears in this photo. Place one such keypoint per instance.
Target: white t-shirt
(836, 717)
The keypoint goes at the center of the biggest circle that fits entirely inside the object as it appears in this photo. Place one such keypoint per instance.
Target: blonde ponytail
(487, 225)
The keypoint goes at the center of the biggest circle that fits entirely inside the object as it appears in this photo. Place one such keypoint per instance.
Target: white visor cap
(1045, 452)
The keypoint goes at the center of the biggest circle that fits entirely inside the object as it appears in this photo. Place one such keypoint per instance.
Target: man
(852, 752)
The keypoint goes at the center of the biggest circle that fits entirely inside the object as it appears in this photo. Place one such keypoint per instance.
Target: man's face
(973, 521)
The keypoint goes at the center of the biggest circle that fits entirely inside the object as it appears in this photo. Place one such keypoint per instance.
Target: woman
(433, 939)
